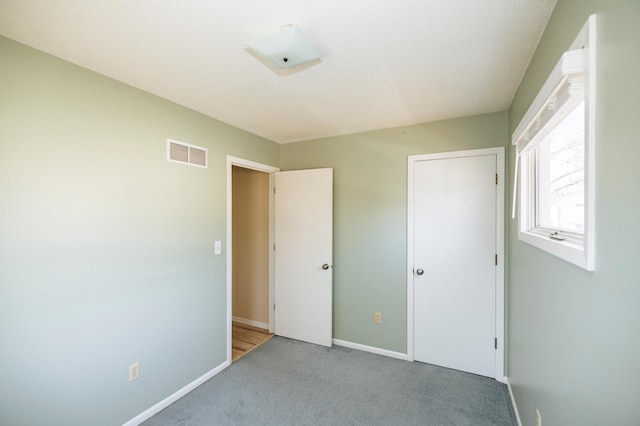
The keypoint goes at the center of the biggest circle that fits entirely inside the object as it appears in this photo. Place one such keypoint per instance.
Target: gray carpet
(286, 382)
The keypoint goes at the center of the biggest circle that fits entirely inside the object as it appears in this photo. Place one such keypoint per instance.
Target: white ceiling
(385, 63)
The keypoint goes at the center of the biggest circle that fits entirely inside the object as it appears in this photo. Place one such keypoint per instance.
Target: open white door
(303, 255)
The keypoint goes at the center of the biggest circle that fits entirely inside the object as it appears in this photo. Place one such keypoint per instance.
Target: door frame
(500, 223)
(252, 165)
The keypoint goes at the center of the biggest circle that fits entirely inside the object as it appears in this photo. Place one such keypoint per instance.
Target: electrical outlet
(377, 317)
(134, 371)
(538, 418)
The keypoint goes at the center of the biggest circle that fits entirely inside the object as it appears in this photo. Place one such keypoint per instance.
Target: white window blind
(562, 92)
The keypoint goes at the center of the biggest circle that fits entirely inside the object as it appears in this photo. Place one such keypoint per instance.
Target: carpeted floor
(286, 382)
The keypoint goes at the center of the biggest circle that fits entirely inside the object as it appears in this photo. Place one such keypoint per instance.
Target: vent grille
(180, 152)
(198, 157)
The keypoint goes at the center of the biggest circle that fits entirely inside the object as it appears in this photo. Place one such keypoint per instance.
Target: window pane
(561, 183)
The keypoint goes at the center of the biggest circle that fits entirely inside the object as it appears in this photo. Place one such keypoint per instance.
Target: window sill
(571, 252)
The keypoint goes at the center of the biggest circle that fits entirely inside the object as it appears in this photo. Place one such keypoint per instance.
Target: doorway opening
(249, 257)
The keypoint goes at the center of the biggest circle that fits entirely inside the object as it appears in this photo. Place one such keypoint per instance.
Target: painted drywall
(250, 244)
(106, 249)
(370, 216)
(574, 349)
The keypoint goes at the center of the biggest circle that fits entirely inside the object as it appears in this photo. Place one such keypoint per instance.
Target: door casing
(411, 160)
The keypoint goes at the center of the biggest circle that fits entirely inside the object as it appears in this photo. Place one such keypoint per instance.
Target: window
(555, 155)
(561, 175)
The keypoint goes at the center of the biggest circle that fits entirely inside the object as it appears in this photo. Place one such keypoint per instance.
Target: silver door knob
(419, 272)
(325, 266)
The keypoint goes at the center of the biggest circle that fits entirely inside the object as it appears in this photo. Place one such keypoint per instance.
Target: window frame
(575, 247)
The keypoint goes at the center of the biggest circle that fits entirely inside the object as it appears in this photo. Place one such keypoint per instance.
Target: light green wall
(106, 249)
(370, 216)
(574, 336)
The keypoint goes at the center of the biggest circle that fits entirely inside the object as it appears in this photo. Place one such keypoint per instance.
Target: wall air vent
(180, 152)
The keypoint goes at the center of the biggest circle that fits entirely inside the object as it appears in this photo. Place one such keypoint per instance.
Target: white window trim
(579, 251)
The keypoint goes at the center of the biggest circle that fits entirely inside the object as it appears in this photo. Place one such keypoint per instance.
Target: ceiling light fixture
(285, 49)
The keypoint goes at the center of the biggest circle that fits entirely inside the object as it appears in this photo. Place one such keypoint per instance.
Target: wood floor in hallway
(246, 338)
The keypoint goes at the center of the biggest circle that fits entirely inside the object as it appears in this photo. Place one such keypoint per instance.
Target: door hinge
(496, 260)
(496, 178)
(274, 189)
(274, 247)
(495, 343)
(274, 306)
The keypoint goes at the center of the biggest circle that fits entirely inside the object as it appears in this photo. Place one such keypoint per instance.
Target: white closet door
(454, 279)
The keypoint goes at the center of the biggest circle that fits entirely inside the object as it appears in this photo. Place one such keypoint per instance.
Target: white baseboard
(513, 401)
(371, 349)
(251, 322)
(145, 415)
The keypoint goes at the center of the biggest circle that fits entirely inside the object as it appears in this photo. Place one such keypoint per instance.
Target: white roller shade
(561, 93)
